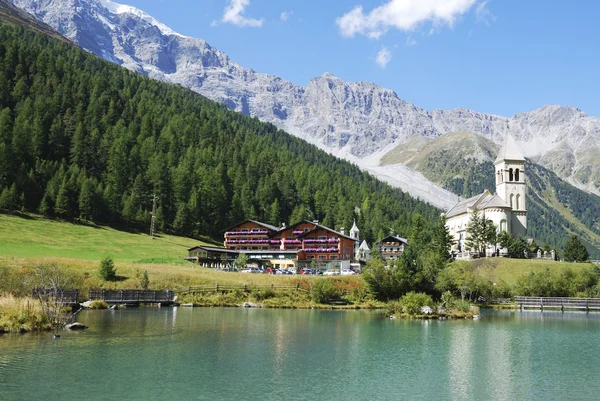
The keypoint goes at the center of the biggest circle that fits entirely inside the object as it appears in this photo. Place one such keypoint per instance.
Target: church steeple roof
(354, 228)
(509, 150)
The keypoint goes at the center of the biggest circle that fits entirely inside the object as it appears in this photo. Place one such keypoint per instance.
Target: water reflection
(461, 361)
(220, 353)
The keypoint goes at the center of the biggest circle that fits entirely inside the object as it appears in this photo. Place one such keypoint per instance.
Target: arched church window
(517, 175)
(512, 201)
(503, 225)
(518, 201)
(510, 174)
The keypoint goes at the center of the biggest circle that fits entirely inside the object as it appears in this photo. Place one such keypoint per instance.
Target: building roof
(364, 246)
(509, 150)
(354, 228)
(394, 238)
(461, 206)
(212, 249)
(483, 201)
(265, 225)
(317, 225)
(494, 202)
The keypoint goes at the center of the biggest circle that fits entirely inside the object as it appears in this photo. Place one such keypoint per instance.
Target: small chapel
(506, 208)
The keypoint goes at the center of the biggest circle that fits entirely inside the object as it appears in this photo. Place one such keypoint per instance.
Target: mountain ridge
(353, 120)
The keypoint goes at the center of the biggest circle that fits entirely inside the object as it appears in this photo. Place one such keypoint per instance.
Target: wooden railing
(558, 302)
(241, 288)
(66, 296)
(133, 296)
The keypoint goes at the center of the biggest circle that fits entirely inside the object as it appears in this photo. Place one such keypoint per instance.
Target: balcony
(292, 241)
(247, 241)
(322, 241)
(321, 250)
(257, 232)
(298, 232)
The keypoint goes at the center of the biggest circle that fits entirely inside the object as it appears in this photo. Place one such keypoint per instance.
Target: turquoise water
(260, 354)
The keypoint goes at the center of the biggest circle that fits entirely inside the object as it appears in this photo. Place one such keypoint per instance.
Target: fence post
(245, 288)
(217, 287)
(121, 295)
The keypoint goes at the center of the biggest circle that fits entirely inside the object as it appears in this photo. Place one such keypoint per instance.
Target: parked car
(348, 272)
(308, 271)
(331, 273)
(246, 271)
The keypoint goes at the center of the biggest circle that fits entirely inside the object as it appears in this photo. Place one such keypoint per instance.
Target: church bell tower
(510, 184)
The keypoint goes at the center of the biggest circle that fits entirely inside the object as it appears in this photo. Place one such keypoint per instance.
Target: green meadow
(30, 236)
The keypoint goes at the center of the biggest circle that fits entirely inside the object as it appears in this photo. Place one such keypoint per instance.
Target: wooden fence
(133, 296)
(558, 303)
(242, 288)
(66, 296)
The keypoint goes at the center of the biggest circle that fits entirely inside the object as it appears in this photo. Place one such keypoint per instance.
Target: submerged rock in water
(76, 326)
(249, 305)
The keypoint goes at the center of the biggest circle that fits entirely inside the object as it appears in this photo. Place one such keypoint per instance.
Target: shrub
(107, 270)
(145, 280)
(412, 302)
(393, 308)
(98, 304)
(321, 290)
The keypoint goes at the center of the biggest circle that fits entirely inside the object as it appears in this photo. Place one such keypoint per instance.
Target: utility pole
(154, 199)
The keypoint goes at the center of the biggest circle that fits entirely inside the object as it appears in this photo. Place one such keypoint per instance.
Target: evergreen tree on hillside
(575, 251)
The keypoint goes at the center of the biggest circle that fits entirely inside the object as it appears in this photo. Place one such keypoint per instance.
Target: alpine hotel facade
(294, 247)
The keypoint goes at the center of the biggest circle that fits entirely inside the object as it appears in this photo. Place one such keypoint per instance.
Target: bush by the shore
(20, 315)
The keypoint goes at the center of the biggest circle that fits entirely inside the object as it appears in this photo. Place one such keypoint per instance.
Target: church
(506, 208)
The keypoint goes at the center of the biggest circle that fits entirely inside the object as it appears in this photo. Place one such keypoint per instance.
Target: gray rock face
(358, 121)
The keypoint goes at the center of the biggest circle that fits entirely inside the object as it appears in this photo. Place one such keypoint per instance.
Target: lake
(264, 354)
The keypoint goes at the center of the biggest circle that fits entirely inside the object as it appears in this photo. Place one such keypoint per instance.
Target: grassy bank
(21, 315)
(30, 236)
(498, 270)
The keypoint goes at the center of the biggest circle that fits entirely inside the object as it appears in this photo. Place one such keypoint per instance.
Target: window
(518, 200)
(244, 248)
(321, 257)
(332, 257)
(510, 174)
(517, 176)
(512, 200)
(503, 226)
(322, 237)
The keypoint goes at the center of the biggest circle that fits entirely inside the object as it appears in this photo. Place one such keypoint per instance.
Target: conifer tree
(575, 250)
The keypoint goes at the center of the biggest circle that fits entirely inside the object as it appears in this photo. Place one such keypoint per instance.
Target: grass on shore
(32, 236)
(21, 315)
(498, 270)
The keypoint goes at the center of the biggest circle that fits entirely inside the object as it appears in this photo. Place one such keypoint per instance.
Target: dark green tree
(107, 269)
(575, 250)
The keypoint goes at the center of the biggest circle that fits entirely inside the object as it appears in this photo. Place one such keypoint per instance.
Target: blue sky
(495, 56)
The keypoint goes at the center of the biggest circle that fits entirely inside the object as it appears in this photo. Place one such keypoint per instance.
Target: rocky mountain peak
(359, 121)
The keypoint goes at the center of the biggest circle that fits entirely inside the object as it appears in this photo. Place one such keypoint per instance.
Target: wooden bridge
(134, 297)
(561, 303)
(241, 288)
(65, 296)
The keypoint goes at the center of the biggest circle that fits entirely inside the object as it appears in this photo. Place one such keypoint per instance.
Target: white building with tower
(506, 208)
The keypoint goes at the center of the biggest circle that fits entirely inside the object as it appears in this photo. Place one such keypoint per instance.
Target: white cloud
(404, 15)
(383, 57)
(483, 14)
(233, 15)
(285, 15)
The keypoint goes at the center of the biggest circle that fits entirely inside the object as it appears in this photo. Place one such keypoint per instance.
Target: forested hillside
(83, 138)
